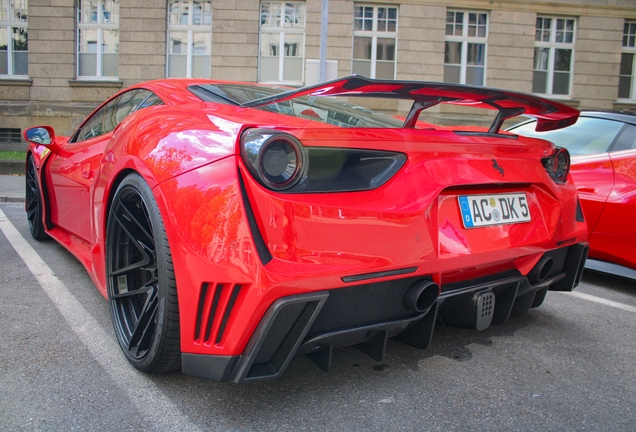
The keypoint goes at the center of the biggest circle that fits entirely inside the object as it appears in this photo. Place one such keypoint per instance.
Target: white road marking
(157, 409)
(602, 301)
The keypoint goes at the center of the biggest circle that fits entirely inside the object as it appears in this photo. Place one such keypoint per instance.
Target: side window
(627, 140)
(128, 103)
(587, 136)
(114, 112)
(151, 100)
(96, 124)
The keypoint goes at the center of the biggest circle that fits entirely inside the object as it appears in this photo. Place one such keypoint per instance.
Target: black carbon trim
(246, 370)
(44, 192)
(484, 280)
(215, 304)
(263, 252)
(367, 276)
(228, 310)
(579, 211)
(216, 368)
(573, 267)
(200, 310)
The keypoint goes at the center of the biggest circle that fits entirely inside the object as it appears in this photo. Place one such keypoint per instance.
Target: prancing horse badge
(498, 167)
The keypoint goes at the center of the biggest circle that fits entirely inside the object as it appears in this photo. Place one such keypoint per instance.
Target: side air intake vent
(278, 336)
(215, 307)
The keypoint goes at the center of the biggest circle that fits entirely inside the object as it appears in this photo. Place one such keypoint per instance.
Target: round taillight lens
(279, 164)
(562, 164)
(275, 159)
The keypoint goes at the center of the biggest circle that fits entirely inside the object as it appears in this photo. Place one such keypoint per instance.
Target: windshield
(328, 110)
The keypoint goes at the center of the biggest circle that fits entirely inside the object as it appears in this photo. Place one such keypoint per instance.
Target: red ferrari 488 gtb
(233, 226)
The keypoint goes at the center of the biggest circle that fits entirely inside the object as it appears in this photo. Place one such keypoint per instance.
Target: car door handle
(586, 190)
(87, 172)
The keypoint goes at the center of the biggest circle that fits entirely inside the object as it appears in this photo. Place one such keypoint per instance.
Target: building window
(282, 25)
(189, 38)
(626, 87)
(10, 136)
(374, 41)
(465, 50)
(98, 39)
(553, 56)
(14, 54)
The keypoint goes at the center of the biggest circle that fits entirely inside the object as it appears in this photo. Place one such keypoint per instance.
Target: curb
(12, 167)
(12, 199)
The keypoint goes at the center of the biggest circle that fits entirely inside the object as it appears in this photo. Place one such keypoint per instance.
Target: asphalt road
(568, 365)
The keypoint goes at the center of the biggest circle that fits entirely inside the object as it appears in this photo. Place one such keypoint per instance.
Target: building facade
(60, 58)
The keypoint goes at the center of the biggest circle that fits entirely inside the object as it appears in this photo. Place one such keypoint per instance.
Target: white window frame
(281, 52)
(374, 34)
(553, 45)
(100, 26)
(465, 39)
(7, 26)
(190, 28)
(629, 47)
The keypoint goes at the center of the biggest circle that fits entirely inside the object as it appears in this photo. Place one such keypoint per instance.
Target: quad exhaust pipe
(421, 296)
(541, 271)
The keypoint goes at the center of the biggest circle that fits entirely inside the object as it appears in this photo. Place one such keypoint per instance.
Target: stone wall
(53, 95)
(510, 50)
(340, 34)
(420, 53)
(142, 40)
(235, 39)
(597, 58)
(51, 49)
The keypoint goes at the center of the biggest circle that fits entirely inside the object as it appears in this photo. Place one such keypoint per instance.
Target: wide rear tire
(142, 290)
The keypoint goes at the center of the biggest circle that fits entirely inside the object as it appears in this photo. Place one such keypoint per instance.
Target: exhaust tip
(541, 271)
(421, 296)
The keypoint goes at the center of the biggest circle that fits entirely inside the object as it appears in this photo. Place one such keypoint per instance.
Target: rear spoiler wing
(550, 115)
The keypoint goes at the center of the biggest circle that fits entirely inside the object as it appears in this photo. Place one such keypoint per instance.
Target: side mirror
(45, 135)
(41, 135)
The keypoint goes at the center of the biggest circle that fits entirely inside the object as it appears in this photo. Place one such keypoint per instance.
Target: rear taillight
(274, 158)
(278, 161)
(558, 165)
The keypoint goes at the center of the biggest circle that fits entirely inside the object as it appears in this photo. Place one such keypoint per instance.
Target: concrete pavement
(12, 188)
(10, 167)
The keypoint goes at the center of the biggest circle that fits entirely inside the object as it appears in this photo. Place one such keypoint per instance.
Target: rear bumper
(367, 315)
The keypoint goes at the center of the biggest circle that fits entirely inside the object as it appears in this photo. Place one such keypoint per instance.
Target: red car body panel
(607, 187)
(594, 177)
(188, 152)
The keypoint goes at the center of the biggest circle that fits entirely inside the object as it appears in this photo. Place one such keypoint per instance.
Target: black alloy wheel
(34, 202)
(142, 290)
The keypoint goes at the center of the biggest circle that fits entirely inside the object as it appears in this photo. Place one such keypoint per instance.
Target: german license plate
(497, 209)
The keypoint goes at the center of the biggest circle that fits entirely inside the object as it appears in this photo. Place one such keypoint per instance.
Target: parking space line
(603, 301)
(157, 409)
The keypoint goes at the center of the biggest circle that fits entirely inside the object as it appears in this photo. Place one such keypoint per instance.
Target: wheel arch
(112, 189)
(40, 163)
(160, 200)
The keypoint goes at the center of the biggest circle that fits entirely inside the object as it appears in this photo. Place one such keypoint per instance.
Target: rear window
(330, 110)
(588, 135)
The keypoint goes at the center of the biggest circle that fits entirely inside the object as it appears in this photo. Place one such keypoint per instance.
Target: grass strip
(12, 155)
